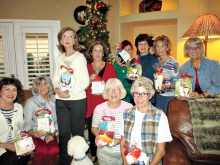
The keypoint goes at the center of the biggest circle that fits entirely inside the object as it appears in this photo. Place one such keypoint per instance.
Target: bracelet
(203, 95)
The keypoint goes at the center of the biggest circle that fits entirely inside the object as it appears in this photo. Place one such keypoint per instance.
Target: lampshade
(206, 25)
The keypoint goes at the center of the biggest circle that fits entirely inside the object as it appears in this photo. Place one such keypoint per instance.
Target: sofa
(182, 149)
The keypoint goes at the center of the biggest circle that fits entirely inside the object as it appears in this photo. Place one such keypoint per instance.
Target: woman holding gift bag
(98, 70)
(169, 69)
(122, 70)
(114, 107)
(205, 72)
(11, 117)
(70, 81)
(36, 107)
(144, 127)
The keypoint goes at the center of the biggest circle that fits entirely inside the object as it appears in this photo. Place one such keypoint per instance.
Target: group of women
(143, 124)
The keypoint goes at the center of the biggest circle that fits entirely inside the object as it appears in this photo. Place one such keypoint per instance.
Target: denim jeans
(162, 102)
(71, 119)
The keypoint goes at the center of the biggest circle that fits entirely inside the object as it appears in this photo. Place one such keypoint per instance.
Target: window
(35, 49)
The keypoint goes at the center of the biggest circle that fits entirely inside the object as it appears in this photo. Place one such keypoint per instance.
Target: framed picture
(80, 14)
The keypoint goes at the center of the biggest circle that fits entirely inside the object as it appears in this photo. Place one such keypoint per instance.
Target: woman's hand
(62, 94)
(181, 97)
(195, 95)
(92, 77)
(118, 61)
(38, 134)
(9, 146)
(49, 138)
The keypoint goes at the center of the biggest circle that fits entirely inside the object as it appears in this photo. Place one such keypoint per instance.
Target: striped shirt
(9, 116)
(102, 110)
(170, 72)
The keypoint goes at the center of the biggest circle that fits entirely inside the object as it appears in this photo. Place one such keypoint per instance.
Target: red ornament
(99, 5)
(102, 25)
(92, 25)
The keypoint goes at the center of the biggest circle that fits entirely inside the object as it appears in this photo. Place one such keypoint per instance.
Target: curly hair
(166, 41)
(59, 36)
(143, 37)
(15, 82)
(93, 44)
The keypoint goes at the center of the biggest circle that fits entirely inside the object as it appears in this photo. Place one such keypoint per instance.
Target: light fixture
(205, 26)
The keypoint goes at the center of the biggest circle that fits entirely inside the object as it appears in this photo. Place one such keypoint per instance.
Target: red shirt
(94, 100)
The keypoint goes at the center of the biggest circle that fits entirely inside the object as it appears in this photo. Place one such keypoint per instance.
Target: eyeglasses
(194, 48)
(65, 37)
(143, 95)
(113, 89)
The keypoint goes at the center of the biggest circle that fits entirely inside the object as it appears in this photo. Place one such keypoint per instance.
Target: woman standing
(114, 106)
(43, 102)
(163, 48)
(143, 43)
(205, 72)
(11, 116)
(122, 70)
(144, 125)
(70, 81)
(98, 53)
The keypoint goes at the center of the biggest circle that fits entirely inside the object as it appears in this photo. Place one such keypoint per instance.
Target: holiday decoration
(95, 25)
(183, 86)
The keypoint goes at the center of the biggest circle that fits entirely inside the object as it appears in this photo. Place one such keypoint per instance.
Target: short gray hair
(38, 80)
(143, 82)
(192, 40)
(118, 83)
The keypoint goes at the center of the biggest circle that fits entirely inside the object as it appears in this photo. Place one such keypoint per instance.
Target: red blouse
(94, 100)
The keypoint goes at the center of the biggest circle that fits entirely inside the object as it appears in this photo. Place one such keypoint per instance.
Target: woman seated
(205, 72)
(36, 108)
(144, 125)
(114, 107)
(11, 116)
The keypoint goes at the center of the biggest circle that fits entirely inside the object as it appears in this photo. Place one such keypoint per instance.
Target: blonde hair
(108, 85)
(143, 82)
(166, 41)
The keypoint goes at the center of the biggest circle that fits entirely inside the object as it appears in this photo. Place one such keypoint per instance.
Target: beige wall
(187, 12)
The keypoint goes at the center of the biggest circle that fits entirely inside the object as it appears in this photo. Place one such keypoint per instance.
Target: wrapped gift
(124, 57)
(45, 121)
(183, 86)
(134, 155)
(97, 85)
(24, 144)
(135, 69)
(67, 79)
(106, 131)
(159, 79)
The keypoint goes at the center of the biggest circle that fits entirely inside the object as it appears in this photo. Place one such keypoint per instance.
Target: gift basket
(67, 78)
(98, 84)
(135, 69)
(183, 86)
(45, 121)
(134, 155)
(159, 79)
(106, 131)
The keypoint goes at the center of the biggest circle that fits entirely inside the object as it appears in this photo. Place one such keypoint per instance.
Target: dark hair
(59, 36)
(15, 82)
(143, 37)
(105, 49)
(126, 43)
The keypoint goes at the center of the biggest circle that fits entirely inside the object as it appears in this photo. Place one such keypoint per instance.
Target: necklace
(5, 107)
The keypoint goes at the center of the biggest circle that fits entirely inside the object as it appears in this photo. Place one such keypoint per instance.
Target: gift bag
(135, 69)
(24, 143)
(183, 86)
(123, 56)
(106, 131)
(159, 79)
(98, 84)
(67, 78)
(45, 121)
(134, 155)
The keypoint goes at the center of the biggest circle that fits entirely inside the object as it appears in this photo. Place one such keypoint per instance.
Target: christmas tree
(95, 25)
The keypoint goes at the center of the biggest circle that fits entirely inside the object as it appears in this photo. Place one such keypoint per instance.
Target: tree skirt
(205, 116)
